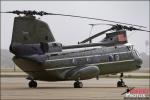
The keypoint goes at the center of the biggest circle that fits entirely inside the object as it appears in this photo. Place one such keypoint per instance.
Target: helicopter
(42, 58)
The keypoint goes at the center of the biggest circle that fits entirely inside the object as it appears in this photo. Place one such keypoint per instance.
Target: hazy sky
(69, 30)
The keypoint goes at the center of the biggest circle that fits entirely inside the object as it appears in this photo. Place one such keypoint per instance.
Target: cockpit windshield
(136, 52)
(130, 47)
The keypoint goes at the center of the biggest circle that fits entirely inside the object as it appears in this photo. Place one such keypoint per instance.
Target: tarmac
(16, 88)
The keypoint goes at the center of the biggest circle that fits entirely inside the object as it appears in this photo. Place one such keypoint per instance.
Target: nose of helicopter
(138, 61)
(137, 58)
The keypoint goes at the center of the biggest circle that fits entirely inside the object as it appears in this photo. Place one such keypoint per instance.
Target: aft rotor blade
(101, 24)
(95, 19)
(41, 13)
(96, 35)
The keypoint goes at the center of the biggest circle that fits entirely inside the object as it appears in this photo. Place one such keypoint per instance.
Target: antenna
(92, 26)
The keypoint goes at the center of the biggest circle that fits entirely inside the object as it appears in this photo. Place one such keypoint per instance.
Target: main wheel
(78, 84)
(121, 84)
(32, 84)
(75, 84)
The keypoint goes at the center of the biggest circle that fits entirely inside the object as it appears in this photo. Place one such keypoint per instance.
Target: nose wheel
(32, 84)
(121, 83)
(78, 84)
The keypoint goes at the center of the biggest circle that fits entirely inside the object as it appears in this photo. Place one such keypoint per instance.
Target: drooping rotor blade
(142, 30)
(101, 24)
(128, 28)
(95, 19)
(118, 26)
(96, 35)
(27, 12)
(41, 13)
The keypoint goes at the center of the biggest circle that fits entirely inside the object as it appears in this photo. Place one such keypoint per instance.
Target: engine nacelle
(51, 47)
(20, 49)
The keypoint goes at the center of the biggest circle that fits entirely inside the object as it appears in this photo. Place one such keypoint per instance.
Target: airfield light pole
(146, 46)
(14, 68)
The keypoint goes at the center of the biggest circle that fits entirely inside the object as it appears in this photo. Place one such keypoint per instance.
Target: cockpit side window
(110, 58)
(137, 53)
(130, 48)
(116, 57)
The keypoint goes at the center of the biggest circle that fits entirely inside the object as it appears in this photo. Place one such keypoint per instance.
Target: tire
(78, 84)
(32, 84)
(75, 84)
(119, 84)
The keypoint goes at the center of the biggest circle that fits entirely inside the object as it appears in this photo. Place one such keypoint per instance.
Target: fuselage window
(54, 44)
(110, 58)
(54, 54)
(129, 48)
(116, 56)
(137, 53)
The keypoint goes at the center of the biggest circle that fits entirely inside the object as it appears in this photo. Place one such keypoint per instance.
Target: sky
(69, 30)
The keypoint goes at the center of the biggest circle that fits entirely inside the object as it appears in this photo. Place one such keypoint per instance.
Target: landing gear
(121, 83)
(32, 84)
(78, 84)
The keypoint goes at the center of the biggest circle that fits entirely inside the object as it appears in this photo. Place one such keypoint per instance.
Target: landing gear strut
(32, 84)
(121, 83)
(78, 84)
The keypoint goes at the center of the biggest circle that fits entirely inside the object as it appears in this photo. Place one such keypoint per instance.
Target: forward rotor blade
(95, 19)
(4, 12)
(142, 30)
(131, 28)
(96, 35)
(101, 24)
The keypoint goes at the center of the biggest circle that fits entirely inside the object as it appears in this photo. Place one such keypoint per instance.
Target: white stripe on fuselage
(112, 62)
(85, 56)
(92, 64)
(60, 68)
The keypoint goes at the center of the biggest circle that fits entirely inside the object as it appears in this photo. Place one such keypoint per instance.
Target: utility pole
(146, 46)
(14, 68)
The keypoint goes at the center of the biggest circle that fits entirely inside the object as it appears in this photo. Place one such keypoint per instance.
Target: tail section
(29, 30)
(28, 34)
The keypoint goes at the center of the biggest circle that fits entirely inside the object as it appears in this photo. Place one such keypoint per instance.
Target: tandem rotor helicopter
(37, 53)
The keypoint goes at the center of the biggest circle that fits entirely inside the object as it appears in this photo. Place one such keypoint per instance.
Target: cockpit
(135, 53)
(130, 47)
